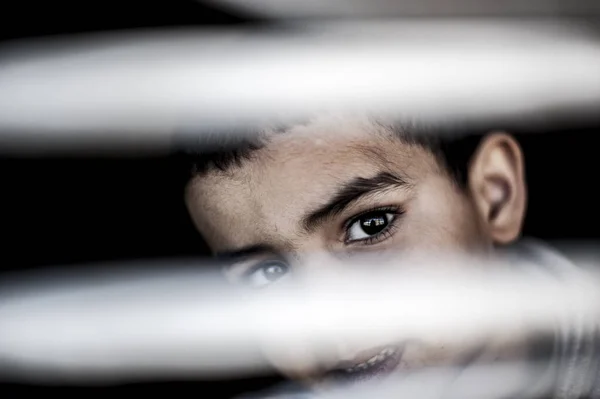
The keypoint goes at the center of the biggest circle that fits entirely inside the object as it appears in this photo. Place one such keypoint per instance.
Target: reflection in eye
(266, 273)
(369, 226)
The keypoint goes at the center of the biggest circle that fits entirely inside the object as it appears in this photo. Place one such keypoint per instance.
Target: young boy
(338, 185)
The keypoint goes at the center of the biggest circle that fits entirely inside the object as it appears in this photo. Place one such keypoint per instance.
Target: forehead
(265, 198)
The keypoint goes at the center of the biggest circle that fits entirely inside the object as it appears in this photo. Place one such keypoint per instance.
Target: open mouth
(377, 366)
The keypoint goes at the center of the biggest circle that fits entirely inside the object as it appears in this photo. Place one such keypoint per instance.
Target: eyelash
(384, 234)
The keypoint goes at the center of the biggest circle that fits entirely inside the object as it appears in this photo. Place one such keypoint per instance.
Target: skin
(265, 202)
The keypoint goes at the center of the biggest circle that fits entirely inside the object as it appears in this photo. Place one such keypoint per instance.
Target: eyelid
(234, 272)
(386, 233)
(253, 265)
(240, 268)
(396, 210)
(377, 238)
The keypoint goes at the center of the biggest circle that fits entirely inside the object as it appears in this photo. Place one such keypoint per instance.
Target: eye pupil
(373, 224)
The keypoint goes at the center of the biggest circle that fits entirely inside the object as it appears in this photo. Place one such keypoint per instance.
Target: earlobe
(497, 186)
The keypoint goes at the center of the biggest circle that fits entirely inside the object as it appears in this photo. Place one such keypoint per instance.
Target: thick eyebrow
(244, 252)
(350, 192)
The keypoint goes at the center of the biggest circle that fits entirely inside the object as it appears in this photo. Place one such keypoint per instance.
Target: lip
(370, 368)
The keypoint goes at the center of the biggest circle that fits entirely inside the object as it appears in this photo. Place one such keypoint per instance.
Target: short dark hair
(221, 150)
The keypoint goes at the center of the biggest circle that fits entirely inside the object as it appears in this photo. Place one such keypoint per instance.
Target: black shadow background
(86, 210)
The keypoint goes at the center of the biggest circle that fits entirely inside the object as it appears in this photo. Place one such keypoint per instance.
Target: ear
(497, 186)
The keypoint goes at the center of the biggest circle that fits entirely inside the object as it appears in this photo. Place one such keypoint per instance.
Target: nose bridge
(318, 264)
(323, 266)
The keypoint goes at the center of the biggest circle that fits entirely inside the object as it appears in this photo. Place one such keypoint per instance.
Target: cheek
(442, 219)
(420, 354)
(297, 362)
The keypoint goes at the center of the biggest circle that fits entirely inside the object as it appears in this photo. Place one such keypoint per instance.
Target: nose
(317, 266)
(314, 358)
(328, 351)
(315, 354)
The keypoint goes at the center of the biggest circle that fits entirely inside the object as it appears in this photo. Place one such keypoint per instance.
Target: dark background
(84, 210)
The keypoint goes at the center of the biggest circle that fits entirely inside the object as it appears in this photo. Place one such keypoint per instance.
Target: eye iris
(274, 271)
(373, 224)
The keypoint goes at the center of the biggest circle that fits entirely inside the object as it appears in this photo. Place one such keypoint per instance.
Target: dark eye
(369, 225)
(267, 273)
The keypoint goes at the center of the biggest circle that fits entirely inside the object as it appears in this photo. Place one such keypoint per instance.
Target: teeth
(384, 354)
(388, 352)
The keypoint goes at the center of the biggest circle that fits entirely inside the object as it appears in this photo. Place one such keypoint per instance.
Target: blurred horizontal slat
(422, 8)
(120, 89)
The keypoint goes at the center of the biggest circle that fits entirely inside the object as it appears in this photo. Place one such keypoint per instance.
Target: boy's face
(341, 186)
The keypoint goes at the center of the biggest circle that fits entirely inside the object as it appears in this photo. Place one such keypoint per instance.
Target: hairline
(234, 151)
